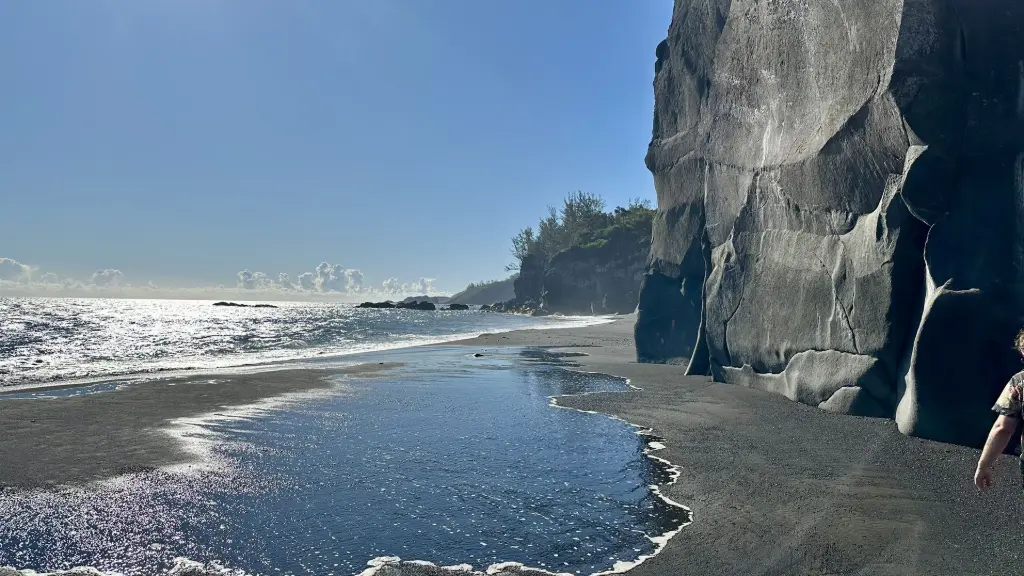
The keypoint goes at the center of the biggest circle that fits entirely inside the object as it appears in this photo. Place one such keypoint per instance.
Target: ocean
(452, 458)
(50, 340)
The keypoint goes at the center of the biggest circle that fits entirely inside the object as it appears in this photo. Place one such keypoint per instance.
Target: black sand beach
(94, 436)
(775, 487)
(782, 488)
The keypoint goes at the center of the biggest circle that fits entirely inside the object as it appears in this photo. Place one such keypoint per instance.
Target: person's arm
(1009, 406)
(998, 438)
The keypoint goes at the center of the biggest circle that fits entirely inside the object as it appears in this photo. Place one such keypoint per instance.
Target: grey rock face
(841, 204)
(600, 279)
(595, 278)
(529, 286)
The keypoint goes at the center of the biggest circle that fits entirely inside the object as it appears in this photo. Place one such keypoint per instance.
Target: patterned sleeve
(1011, 401)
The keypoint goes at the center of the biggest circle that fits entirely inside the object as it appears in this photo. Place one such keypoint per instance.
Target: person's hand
(983, 477)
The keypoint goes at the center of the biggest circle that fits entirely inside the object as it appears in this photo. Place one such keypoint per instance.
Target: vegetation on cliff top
(582, 221)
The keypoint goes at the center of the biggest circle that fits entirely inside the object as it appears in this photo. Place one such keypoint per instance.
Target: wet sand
(782, 488)
(49, 442)
(776, 488)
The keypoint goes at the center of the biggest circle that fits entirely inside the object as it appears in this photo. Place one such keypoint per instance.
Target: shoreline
(652, 444)
(666, 475)
(775, 487)
(313, 380)
(781, 488)
(130, 428)
(331, 361)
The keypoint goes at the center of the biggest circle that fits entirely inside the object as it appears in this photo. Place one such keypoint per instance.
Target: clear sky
(182, 141)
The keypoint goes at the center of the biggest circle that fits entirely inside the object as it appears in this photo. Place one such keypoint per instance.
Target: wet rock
(414, 305)
(436, 300)
(385, 304)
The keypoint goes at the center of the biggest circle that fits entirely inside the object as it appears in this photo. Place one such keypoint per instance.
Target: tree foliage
(522, 244)
(581, 220)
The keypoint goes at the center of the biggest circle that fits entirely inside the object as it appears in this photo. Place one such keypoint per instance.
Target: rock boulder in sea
(414, 305)
(436, 300)
(404, 305)
(841, 204)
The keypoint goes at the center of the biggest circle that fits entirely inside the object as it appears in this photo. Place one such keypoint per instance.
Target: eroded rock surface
(841, 203)
(598, 277)
(603, 278)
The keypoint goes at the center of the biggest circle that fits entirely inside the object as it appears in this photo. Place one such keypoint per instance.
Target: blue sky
(181, 141)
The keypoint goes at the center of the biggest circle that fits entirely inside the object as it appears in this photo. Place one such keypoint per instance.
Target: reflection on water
(69, 392)
(451, 459)
(46, 340)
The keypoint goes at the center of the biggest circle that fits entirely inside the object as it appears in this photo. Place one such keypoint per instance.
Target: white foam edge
(182, 567)
(193, 434)
(674, 472)
(335, 359)
(497, 569)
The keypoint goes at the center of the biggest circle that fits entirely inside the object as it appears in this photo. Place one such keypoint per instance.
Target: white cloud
(353, 280)
(107, 277)
(14, 271)
(422, 287)
(326, 282)
(307, 281)
(249, 280)
(330, 278)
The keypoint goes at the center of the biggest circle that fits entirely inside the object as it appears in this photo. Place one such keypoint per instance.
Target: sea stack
(841, 204)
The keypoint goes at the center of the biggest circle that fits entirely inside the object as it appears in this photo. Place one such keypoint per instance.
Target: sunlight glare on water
(45, 340)
(451, 459)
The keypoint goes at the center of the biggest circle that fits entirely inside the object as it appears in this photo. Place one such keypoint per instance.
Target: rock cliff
(598, 277)
(841, 204)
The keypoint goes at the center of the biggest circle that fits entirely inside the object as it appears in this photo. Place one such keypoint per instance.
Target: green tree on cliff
(581, 220)
(522, 244)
